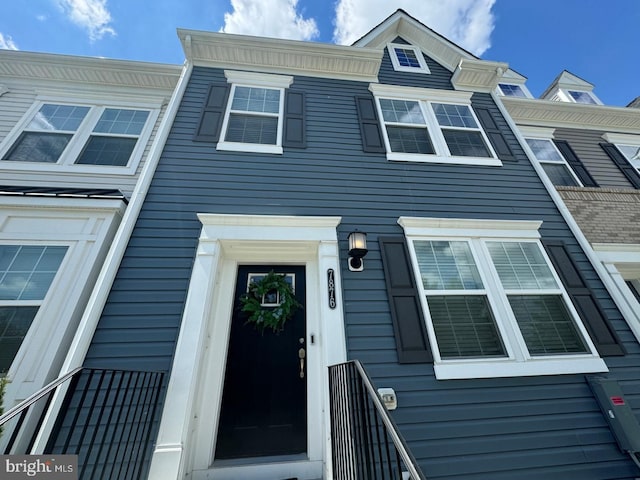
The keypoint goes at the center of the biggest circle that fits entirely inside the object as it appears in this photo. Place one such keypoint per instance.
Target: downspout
(91, 316)
(630, 316)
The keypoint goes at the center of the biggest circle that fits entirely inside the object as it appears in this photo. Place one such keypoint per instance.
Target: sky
(597, 40)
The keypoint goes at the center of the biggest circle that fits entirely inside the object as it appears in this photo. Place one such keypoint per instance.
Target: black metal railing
(107, 418)
(366, 443)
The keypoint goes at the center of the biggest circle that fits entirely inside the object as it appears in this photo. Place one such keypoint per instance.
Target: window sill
(76, 169)
(467, 369)
(422, 158)
(249, 147)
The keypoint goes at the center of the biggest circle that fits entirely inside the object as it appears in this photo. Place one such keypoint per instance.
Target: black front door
(264, 402)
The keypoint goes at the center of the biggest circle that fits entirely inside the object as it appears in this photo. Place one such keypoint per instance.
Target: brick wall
(605, 215)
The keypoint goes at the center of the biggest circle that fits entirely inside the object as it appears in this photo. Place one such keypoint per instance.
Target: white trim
(258, 79)
(537, 132)
(622, 138)
(423, 68)
(417, 93)
(186, 445)
(477, 233)
(102, 286)
(631, 316)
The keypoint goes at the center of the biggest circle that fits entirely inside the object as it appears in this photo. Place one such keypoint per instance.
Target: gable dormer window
(407, 58)
(511, 90)
(582, 97)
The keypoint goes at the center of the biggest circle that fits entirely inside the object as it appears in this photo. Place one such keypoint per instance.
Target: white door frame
(186, 438)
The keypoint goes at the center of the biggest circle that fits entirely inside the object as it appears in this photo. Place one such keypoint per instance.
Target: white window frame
(425, 98)
(518, 361)
(423, 68)
(625, 140)
(563, 161)
(564, 95)
(73, 150)
(520, 87)
(254, 80)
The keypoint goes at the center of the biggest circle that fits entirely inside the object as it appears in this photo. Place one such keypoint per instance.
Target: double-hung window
(553, 163)
(494, 305)
(431, 126)
(407, 58)
(253, 120)
(26, 272)
(69, 134)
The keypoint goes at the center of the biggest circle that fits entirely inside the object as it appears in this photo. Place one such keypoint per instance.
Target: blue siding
(510, 428)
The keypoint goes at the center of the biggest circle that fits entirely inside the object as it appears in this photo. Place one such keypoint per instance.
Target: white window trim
(564, 96)
(563, 160)
(259, 80)
(66, 162)
(524, 90)
(424, 68)
(518, 362)
(425, 97)
(620, 139)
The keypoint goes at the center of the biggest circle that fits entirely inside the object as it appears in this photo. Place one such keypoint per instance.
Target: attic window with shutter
(253, 120)
(424, 125)
(493, 304)
(407, 58)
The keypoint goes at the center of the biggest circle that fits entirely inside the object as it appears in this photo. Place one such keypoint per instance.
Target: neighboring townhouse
(590, 154)
(75, 133)
(475, 303)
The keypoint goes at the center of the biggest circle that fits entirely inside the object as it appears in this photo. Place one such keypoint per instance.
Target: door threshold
(262, 469)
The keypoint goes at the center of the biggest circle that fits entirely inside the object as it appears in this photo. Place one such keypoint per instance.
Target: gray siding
(509, 428)
(586, 145)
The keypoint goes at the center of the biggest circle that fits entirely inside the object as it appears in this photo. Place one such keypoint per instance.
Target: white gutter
(632, 318)
(93, 311)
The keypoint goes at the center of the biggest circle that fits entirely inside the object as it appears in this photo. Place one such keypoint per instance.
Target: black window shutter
(625, 167)
(575, 163)
(294, 120)
(212, 113)
(584, 300)
(409, 328)
(494, 133)
(372, 141)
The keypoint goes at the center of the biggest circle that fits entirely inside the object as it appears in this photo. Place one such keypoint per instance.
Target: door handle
(301, 355)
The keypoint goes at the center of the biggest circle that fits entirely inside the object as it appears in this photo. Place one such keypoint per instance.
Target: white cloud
(468, 23)
(269, 18)
(92, 15)
(7, 43)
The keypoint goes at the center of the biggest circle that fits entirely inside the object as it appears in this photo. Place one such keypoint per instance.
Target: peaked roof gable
(566, 79)
(469, 72)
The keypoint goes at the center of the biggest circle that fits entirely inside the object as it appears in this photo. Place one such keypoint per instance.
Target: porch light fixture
(357, 250)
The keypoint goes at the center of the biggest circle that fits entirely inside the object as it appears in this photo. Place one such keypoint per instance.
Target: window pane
(38, 147)
(521, 265)
(631, 152)
(58, 117)
(250, 129)
(466, 143)
(410, 140)
(251, 99)
(454, 115)
(407, 57)
(127, 122)
(27, 271)
(401, 111)
(544, 149)
(447, 265)
(465, 327)
(14, 324)
(510, 90)
(559, 174)
(582, 97)
(546, 325)
(107, 151)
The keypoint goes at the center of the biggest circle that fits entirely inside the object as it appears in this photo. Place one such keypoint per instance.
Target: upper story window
(253, 118)
(511, 90)
(553, 163)
(425, 128)
(407, 58)
(66, 134)
(631, 153)
(582, 97)
(26, 273)
(493, 303)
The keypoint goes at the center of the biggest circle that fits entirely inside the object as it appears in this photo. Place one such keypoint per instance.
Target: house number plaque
(331, 284)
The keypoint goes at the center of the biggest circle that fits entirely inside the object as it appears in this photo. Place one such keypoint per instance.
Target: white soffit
(88, 70)
(244, 52)
(547, 113)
